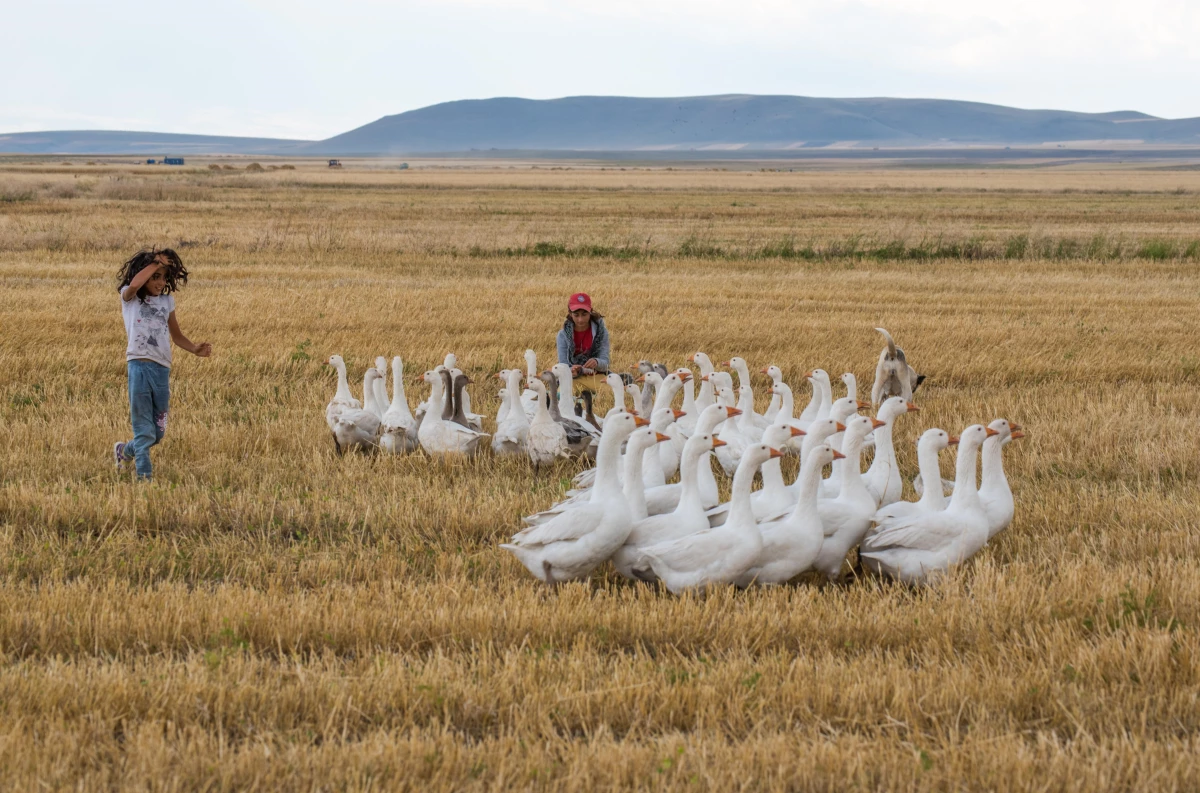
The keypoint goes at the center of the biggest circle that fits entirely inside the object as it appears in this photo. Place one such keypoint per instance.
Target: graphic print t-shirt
(146, 327)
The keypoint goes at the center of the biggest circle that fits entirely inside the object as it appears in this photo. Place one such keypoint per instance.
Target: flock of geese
(628, 509)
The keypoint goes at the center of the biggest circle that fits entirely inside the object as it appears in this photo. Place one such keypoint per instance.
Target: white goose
(669, 453)
(573, 544)
(617, 386)
(919, 547)
(820, 380)
(719, 555)
(729, 456)
(357, 428)
(398, 428)
(512, 427)
(706, 396)
(994, 492)
(846, 518)
(687, 517)
(791, 543)
(652, 471)
(776, 375)
(665, 498)
(546, 440)
(342, 399)
(883, 477)
(381, 397)
(450, 434)
(930, 443)
(529, 398)
(691, 413)
(809, 414)
(751, 423)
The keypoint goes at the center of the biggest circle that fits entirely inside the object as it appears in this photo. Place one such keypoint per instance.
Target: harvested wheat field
(268, 616)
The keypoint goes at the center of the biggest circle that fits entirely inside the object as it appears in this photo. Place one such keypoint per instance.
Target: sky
(307, 69)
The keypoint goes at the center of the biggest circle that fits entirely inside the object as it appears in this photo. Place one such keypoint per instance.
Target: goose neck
(993, 465)
(807, 483)
(931, 475)
(343, 386)
(965, 491)
(739, 500)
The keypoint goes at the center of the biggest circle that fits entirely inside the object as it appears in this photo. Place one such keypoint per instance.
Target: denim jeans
(149, 393)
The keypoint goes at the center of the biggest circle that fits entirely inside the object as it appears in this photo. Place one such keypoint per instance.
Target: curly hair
(176, 275)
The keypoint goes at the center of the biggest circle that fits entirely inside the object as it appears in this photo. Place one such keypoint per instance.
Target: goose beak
(808, 375)
(776, 453)
(678, 414)
(704, 378)
(1014, 426)
(327, 363)
(863, 405)
(685, 376)
(725, 364)
(641, 379)
(718, 442)
(498, 376)
(633, 367)
(797, 432)
(731, 412)
(771, 390)
(991, 432)
(876, 424)
(838, 455)
(839, 427)
(638, 421)
(764, 371)
(953, 440)
(911, 407)
(692, 357)
(659, 437)
(1018, 434)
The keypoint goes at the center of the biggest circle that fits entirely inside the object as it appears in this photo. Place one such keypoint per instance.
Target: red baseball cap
(579, 300)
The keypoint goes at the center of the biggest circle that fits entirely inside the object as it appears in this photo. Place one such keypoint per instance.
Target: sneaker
(119, 455)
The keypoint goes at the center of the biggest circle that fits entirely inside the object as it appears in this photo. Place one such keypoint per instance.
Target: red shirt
(583, 340)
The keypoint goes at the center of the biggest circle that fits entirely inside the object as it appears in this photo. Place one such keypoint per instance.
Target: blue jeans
(149, 393)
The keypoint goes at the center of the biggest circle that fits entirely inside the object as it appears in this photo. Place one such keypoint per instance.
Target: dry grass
(267, 616)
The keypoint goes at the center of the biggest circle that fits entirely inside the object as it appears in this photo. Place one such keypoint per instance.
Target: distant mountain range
(625, 124)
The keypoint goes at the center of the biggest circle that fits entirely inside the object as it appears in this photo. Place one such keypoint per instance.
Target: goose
(502, 395)
(784, 415)
(691, 413)
(512, 427)
(774, 495)
(573, 544)
(883, 477)
(450, 434)
(652, 468)
(791, 543)
(820, 380)
(918, 547)
(749, 419)
(398, 428)
(357, 428)
(371, 397)
(474, 421)
(342, 399)
(851, 383)
(687, 517)
(930, 443)
(776, 375)
(705, 397)
(994, 492)
(643, 399)
(579, 438)
(635, 393)
(380, 391)
(617, 386)
(665, 498)
(546, 440)
(669, 453)
(718, 555)
(730, 455)
(842, 410)
(432, 406)
(846, 518)
(529, 397)
(587, 414)
(809, 414)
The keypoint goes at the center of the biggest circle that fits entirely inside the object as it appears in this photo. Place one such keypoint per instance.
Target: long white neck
(541, 414)
(513, 390)
(851, 386)
(772, 476)
(343, 388)
(787, 405)
(689, 482)
(826, 403)
(965, 493)
(369, 396)
(530, 364)
(745, 403)
(399, 400)
(809, 413)
(927, 461)
(435, 395)
(993, 465)
(689, 398)
(740, 510)
(852, 484)
(618, 395)
(807, 486)
(705, 397)
(566, 392)
(666, 395)
(885, 452)
(635, 489)
(743, 373)
(608, 458)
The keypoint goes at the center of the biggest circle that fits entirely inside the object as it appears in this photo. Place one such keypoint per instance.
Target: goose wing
(569, 525)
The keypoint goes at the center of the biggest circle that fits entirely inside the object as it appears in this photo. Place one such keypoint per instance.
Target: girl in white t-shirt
(146, 285)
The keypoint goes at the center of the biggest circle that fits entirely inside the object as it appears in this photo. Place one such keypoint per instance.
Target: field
(268, 616)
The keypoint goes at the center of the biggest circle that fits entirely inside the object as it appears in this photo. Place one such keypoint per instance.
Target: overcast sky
(307, 69)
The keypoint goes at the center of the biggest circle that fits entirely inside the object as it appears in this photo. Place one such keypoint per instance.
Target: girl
(583, 341)
(146, 282)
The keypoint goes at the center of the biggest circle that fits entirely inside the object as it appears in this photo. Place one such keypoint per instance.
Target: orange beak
(876, 424)
(725, 363)
(685, 376)
(704, 378)
(838, 455)
(659, 437)
(718, 442)
(991, 432)
(633, 367)
(678, 414)
(764, 371)
(797, 432)
(638, 421)
(953, 440)
(864, 405)
(776, 453)
(771, 390)
(1014, 426)
(839, 426)
(498, 377)
(1018, 434)
(807, 374)
(327, 361)
(641, 379)
(731, 412)
(912, 408)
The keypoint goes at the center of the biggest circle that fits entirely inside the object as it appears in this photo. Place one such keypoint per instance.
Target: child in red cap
(583, 341)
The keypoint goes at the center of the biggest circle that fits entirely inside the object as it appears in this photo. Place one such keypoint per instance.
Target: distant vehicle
(172, 161)
(404, 166)
(335, 163)
(151, 162)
